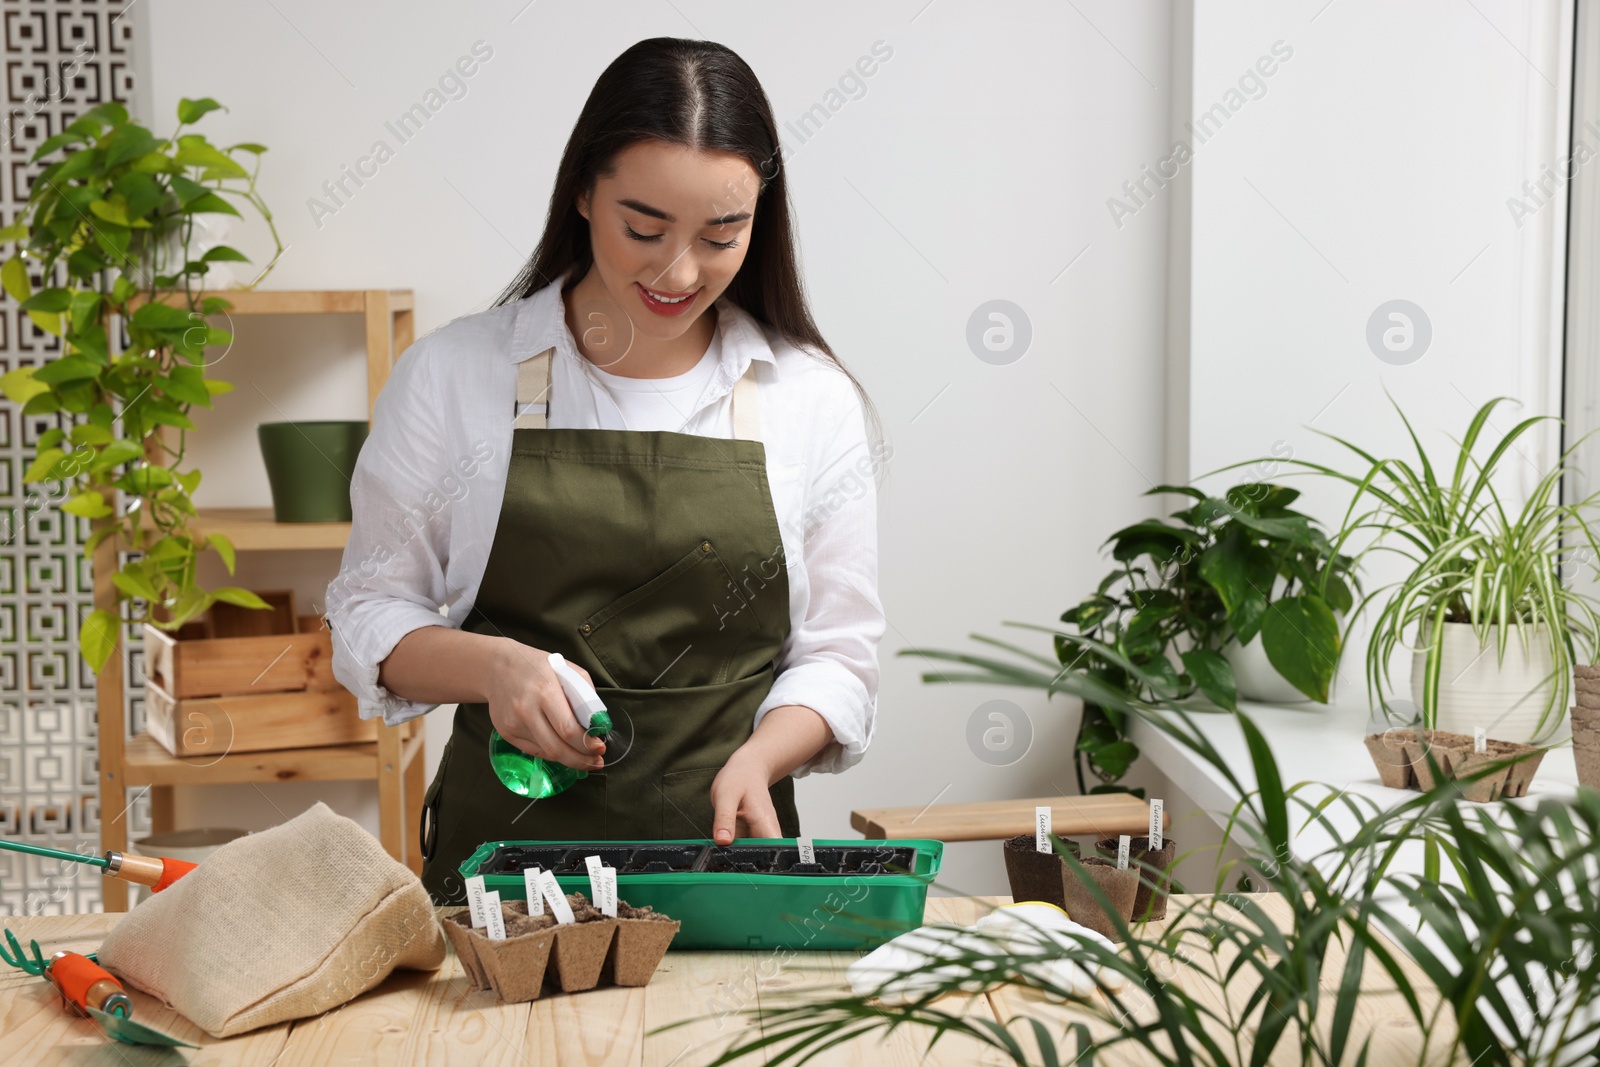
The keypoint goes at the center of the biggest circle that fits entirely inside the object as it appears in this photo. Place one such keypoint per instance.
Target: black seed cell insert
(654, 857)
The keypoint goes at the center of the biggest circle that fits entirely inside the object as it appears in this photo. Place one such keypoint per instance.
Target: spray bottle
(535, 778)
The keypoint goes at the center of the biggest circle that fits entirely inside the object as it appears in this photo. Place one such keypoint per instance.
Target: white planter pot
(1257, 679)
(1477, 689)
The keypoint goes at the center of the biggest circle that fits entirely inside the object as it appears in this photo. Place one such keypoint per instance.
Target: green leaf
(128, 142)
(222, 253)
(109, 113)
(1237, 569)
(224, 548)
(133, 581)
(85, 309)
(117, 452)
(195, 151)
(43, 465)
(244, 598)
(145, 480)
(65, 137)
(90, 433)
(190, 111)
(1114, 759)
(1246, 618)
(56, 300)
(156, 315)
(186, 384)
(111, 210)
(139, 192)
(210, 203)
(14, 233)
(1213, 676)
(69, 369)
(90, 505)
(114, 240)
(79, 164)
(1301, 639)
(14, 279)
(20, 386)
(248, 146)
(98, 638)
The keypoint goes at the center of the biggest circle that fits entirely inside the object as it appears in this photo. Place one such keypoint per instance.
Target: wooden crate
(211, 696)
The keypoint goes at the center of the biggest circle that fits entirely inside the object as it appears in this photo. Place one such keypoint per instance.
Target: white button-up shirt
(428, 485)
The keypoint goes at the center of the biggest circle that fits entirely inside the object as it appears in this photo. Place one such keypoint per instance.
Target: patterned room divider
(62, 57)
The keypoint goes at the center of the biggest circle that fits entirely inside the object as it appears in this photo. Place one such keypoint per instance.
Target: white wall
(1377, 165)
(974, 167)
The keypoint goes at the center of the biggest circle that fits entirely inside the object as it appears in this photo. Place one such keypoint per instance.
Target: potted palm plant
(1492, 628)
(107, 231)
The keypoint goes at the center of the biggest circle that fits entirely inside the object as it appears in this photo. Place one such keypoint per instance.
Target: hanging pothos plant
(107, 231)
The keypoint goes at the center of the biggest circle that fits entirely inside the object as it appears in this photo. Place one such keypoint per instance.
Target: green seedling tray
(752, 894)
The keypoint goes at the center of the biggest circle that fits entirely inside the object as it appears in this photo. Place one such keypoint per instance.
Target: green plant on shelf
(108, 228)
(1222, 571)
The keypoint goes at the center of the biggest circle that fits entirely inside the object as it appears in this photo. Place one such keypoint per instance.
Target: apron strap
(533, 398)
(746, 412)
(533, 391)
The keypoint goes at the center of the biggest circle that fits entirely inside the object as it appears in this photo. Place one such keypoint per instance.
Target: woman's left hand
(740, 800)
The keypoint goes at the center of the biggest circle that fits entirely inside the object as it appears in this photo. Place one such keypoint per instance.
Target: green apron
(654, 561)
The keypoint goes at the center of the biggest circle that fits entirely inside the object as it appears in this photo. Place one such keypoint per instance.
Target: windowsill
(1312, 743)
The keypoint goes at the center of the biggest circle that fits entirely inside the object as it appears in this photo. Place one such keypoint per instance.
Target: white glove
(907, 967)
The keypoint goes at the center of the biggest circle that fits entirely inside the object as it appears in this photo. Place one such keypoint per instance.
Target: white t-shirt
(657, 403)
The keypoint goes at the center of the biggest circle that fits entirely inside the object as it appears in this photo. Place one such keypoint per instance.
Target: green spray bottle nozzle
(535, 778)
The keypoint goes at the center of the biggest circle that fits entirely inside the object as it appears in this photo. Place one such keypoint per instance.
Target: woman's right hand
(529, 709)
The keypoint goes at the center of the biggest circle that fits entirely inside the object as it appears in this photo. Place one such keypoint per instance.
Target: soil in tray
(611, 855)
(828, 861)
(513, 859)
(662, 860)
(740, 860)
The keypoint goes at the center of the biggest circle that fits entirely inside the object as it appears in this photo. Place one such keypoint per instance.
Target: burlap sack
(282, 924)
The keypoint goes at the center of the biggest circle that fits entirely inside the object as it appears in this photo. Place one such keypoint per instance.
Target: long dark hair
(702, 96)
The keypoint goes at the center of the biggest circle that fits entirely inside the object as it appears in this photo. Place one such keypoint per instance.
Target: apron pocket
(686, 803)
(681, 628)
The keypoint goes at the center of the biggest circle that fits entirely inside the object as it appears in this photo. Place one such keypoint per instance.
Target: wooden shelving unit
(395, 761)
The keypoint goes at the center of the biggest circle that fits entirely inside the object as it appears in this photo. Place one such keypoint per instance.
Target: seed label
(1155, 826)
(1123, 843)
(496, 927)
(602, 885)
(530, 885)
(1480, 739)
(1041, 829)
(475, 900)
(808, 851)
(555, 897)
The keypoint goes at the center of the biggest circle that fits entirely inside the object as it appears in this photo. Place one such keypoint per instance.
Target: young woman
(644, 457)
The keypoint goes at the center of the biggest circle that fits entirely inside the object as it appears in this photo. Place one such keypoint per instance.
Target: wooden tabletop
(1101, 815)
(436, 1017)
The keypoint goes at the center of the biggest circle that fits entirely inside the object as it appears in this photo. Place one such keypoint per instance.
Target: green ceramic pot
(309, 465)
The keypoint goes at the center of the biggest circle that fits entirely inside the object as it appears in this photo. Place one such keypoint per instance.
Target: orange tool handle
(83, 981)
(171, 871)
(154, 871)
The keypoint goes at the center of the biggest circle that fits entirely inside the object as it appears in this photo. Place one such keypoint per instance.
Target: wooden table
(436, 1018)
(1102, 815)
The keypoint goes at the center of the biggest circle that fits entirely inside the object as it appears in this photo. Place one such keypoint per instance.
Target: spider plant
(1501, 970)
(1472, 560)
